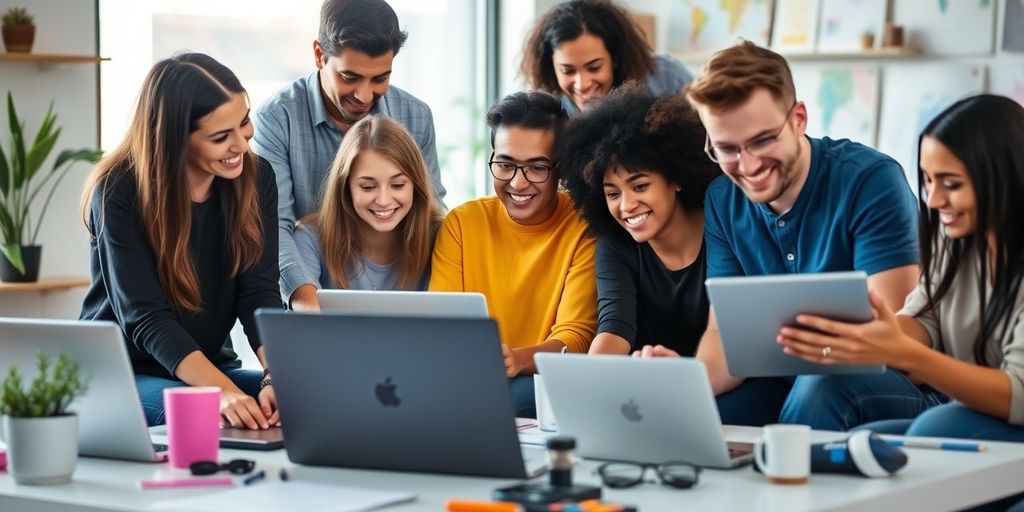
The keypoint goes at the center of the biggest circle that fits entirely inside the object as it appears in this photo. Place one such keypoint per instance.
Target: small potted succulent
(41, 434)
(19, 30)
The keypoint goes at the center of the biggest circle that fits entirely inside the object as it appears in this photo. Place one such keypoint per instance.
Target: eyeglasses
(506, 171)
(209, 467)
(757, 147)
(619, 475)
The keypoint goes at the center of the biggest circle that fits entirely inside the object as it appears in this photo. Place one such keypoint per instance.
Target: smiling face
(351, 83)
(583, 68)
(527, 203)
(382, 194)
(949, 187)
(216, 147)
(776, 173)
(643, 203)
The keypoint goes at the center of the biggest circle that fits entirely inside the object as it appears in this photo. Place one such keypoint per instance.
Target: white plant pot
(41, 451)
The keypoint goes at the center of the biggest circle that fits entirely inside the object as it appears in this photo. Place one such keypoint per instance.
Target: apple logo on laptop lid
(631, 411)
(387, 393)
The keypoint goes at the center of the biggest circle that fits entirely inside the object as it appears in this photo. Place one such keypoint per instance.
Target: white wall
(66, 27)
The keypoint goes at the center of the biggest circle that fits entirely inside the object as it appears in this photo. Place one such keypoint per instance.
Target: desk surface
(933, 480)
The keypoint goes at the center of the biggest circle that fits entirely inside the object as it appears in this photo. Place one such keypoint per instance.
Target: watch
(265, 382)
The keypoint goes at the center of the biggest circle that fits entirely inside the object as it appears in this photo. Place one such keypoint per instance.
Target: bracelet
(266, 372)
(265, 382)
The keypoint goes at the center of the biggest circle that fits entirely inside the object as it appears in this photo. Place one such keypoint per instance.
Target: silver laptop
(398, 393)
(638, 410)
(362, 302)
(751, 310)
(111, 423)
(232, 437)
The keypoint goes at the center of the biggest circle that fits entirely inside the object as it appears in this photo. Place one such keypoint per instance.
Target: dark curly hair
(624, 40)
(635, 130)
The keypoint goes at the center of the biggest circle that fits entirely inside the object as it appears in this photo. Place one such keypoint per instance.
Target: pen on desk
(255, 477)
(482, 506)
(181, 483)
(960, 446)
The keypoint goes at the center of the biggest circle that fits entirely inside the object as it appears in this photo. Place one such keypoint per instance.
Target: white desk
(933, 480)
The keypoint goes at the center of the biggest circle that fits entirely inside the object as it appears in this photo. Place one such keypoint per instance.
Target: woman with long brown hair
(376, 225)
(183, 222)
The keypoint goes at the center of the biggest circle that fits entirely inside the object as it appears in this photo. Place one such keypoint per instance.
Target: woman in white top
(961, 330)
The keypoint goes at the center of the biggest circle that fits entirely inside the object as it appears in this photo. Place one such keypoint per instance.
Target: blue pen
(960, 446)
(256, 477)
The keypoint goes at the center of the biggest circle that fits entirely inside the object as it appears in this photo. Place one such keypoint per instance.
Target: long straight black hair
(986, 132)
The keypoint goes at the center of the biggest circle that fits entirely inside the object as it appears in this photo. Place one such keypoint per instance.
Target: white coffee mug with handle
(783, 453)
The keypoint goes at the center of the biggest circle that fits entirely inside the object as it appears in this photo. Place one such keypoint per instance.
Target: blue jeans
(755, 403)
(951, 420)
(841, 402)
(151, 390)
(522, 396)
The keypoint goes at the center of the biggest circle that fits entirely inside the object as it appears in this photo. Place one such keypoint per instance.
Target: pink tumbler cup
(193, 424)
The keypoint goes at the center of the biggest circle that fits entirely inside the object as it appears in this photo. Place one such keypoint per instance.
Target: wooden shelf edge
(45, 284)
(51, 58)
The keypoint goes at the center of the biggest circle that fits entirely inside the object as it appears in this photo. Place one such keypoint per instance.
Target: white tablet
(751, 310)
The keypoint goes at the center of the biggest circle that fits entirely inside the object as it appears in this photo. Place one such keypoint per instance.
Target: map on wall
(1008, 80)
(947, 27)
(1013, 28)
(842, 100)
(912, 95)
(843, 22)
(796, 25)
(704, 26)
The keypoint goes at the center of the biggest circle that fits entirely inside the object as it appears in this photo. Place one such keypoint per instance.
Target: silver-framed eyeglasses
(758, 147)
(534, 172)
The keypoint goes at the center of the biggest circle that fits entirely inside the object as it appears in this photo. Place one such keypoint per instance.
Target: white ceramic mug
(545, 416)
(783, 453)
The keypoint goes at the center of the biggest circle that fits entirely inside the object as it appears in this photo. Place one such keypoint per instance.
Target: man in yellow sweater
(524, 248)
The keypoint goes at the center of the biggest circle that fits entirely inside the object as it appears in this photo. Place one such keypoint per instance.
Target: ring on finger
(826, 351)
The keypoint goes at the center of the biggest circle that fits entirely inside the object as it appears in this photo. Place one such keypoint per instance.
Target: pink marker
(3, 458)
(181, 483)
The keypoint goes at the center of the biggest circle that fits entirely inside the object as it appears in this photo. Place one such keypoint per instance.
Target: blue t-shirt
(855, 212)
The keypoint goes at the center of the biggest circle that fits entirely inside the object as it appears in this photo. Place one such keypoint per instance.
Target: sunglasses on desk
(620, 475)
(209, 467)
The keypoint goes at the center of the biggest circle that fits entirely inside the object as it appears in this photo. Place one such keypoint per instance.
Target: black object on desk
(559, 487)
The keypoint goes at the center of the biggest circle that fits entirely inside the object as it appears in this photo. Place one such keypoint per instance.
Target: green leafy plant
(19, 186)
(18, 16)
(50, 394)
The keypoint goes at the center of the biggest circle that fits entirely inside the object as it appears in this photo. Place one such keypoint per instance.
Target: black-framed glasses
(619, 475)
(757, 147)
(534, 172)
(209, 467)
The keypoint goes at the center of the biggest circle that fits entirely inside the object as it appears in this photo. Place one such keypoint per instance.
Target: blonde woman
(375, 228)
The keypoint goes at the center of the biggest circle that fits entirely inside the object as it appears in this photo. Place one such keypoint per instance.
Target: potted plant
(41, 434)
(21, 184)
(19, 30)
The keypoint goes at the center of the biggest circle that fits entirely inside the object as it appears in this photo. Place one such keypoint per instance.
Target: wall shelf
(45, 285)
(44, 58)
(875, 54)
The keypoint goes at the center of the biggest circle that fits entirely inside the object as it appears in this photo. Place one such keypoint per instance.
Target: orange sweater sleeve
(576, 318)
(446, 271)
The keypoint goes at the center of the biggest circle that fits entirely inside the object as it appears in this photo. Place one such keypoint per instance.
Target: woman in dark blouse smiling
(183, 221)
(636, 171)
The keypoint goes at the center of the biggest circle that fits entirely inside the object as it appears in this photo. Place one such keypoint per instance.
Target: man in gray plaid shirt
(299, 129)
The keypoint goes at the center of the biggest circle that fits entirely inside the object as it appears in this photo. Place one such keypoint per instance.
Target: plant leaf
(78, 155)
(13, 254)
(17, 143)
(10, 231)
(40, 149)
(5, 173)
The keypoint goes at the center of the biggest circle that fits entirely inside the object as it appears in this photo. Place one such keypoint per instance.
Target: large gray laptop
(639, 410)
(394, 393)
(110, 419)
(751, 310)
(406, 303)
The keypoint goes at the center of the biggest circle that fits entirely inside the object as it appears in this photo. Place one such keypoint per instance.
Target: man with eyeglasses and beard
(791, 204)
(524, 248)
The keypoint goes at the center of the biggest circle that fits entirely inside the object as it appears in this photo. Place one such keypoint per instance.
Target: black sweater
(126, 289)
(644, 302)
